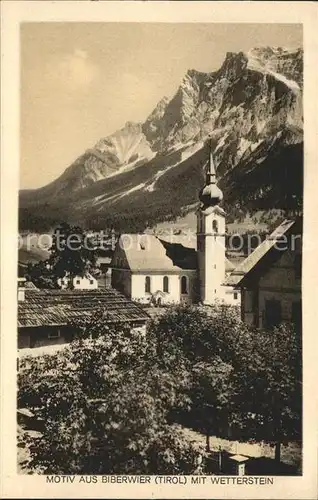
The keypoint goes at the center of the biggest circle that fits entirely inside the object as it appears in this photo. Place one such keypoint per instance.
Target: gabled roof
(147, 252)
(249, 264)
(29, 285)
(60, 307)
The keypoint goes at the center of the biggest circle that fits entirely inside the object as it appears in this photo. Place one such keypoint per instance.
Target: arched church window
(184, 285)
(166, 284)
(215, 226)
(147, 284)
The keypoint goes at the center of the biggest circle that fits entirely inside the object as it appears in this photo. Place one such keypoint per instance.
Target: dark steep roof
(60, 307)
(249, 264)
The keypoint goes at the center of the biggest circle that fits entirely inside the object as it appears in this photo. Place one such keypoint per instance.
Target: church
(149, 269)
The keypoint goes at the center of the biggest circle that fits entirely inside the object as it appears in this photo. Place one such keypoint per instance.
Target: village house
(151, 270)
(86, 282)
(270, 278)
(45, 316)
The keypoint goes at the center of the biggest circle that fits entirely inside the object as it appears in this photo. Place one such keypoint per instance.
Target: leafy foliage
(110, 398)
(242, 378)
(104, 401)
(71, 254)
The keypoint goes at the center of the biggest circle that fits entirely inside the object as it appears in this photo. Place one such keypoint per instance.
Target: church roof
(259, 253)
(148, 252)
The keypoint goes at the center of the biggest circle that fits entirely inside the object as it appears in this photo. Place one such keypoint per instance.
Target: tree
(104, 403)
(41, 275)
(269, 381)
(192, 334)
(239, 374)
(109, 400)
(71, 253)
(211, 394)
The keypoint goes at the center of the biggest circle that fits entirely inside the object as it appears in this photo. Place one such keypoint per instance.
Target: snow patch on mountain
(249, 107)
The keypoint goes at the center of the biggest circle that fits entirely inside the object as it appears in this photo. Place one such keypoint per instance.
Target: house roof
(259, 253)
(59, 307)
(147, 252)
(30, 286)
(77, 277)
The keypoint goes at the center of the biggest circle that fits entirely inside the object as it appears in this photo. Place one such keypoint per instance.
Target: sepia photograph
(159, 311)
(160, 224)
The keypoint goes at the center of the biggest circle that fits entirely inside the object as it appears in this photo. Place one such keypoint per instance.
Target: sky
(83, 81)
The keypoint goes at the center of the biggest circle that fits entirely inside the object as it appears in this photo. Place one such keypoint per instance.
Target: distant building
(149, 269)
(86, 282)
(44, 316)
(270, 278)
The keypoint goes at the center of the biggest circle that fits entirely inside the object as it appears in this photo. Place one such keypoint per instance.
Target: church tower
(211, 238)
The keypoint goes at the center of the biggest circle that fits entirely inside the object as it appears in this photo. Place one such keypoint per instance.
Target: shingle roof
(59, 307)
(254, 258)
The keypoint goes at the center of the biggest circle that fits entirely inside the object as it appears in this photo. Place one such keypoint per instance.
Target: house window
(78, 282)
(235, 295)
(297, 314)
(273, 313)
(54, 334)
(297, 266)
(184, 285)
(215, 226)
(91, 282)
(147, 284)
(166, 284)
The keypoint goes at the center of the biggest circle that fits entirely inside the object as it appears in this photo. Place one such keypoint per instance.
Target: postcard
(158, 263)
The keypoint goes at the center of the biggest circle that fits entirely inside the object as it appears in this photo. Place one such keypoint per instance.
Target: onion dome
(210, 195)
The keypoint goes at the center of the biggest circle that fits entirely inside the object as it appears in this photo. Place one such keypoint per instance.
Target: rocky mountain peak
(280, 62)
(251, 106)
(234, 64)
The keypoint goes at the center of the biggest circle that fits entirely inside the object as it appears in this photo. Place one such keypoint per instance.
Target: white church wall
(138, 290)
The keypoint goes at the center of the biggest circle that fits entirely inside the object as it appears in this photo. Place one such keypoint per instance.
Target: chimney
(21, 289)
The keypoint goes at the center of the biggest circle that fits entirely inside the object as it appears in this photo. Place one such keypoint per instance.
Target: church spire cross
(210, 174)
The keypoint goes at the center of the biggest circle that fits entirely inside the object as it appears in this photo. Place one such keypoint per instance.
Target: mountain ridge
(252, 103)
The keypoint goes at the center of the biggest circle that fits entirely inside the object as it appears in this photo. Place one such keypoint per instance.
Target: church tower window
(184, 285)
(166, 284)
(147, 284)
